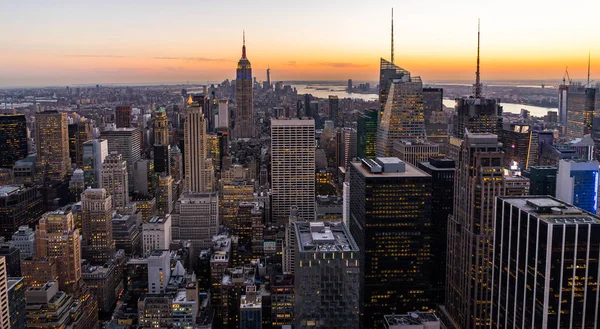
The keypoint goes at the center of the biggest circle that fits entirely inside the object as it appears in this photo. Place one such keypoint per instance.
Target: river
(324, 91)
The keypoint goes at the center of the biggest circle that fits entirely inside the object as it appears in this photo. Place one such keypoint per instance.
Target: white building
(159, 271)
(24, 240)
(199, 172)
(196, 218)
(292, 168)
(222, 118)
(156, 234)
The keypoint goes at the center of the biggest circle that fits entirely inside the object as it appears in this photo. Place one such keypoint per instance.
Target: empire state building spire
(244, 46)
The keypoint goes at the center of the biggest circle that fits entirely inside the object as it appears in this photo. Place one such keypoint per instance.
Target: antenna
(588, 81)
(477, 75)
(392, 35)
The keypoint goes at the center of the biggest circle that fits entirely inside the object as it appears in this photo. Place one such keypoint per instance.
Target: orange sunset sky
(85, 42)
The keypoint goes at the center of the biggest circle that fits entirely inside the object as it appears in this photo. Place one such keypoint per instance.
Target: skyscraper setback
(244, 106)
(198, 168)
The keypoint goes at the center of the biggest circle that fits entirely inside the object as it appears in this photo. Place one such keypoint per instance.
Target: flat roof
(552, 210)
(8, 189)
(324, 237)
(410, 170)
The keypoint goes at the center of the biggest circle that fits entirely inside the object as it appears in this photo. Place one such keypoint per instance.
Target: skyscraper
(244, 104)
(269, 78)
(516, 141)
(128, 143)
(162, 149)
(196, 218)
(292, 168)
(335, 114)
(19, 205)
(479, 178)
(123, 116)
(432, 102)
(94, 153)
(366, 132)
(98, 245)
(545, 265)
(13, 139)
(580, 110)
(199, 172)
(79, 133)
(52, 145)
(326, 277)
(390, 220)
(115, 181)
(401, 116)
(577, 184)
(4, 311)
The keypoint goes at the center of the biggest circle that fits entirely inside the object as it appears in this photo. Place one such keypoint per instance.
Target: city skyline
(160, 42)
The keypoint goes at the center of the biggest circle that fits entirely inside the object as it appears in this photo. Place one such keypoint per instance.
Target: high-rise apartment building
(13, 139)
(128, 143)
(115, 181)
(335, 114)
(58, 240)
(98, 245)
(123, 116)
(4, 307)
(292, 168)
(401, 115)
(199, 172)
(390, 220)
(196, 218)
(366, 134)
(79, 133)
(545, 265)
(243, 121)
(479, 178)
(577, 184)
(94, 153)
(580, 110)
(326, 277)
(52, 145)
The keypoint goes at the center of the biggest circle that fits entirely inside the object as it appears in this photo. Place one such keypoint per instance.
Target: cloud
(194, 59)
(291, 63)
(340, 65)
(95, 56)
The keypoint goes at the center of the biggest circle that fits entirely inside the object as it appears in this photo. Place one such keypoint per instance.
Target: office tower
(545, 265)
(94, 153)
(542, 180)
(432, 102)
(390, 219)
(199, 173)
(4, 307)
(251, 309)
(77, 185)
(349, 85)
(366, 134)
(292, 168)
(161, 127)
(13, 139)
(335, 114)
(477, 115)
(414, 151)
(115, 181)
(349, 142)
(442, 204)
(146, 205)
(307, 110)
(127, 233)
(13, 259)
(269, 77)
(327, 276)
(52, 145)
(563, 91)
(105, 282)
(123, 116)
(230, 196)
(128, 143)
(38, 271)
(577, 184)
(196, 218)
(79, 133)
(98, 244)
(144, 178)
(580, 110)
(155, 311)
(156, 234)
(164, 194)
(24, 240)
(19, 206)
(517, 144)
(213, 149)
(401, 115)
(24, 170)
(58, 240)
(244, 105)
(223, 116)
(162, 159)
(16, 302)
(479, 178)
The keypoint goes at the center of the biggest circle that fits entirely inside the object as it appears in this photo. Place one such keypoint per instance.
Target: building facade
(199, 171)
(52, 145)
(98, 245)
(115, 181)
(577, 184)
(366, 135)
(13, 139)
(243, 123)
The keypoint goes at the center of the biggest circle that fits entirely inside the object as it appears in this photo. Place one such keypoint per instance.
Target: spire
(588, 81)
(477, 85)
(244, 46)
(392, 35)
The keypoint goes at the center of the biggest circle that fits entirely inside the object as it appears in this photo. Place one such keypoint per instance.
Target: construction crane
(566, 75)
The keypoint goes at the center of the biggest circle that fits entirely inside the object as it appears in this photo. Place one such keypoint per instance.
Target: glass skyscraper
(366, 131)
(13, 139)
(577, 184)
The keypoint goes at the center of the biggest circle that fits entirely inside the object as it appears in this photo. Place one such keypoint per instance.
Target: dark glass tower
(244, 106)
(390, 219)
(13, 139)
(367, 134)
(334, 111)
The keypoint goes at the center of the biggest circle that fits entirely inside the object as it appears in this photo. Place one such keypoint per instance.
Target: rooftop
(411, 319)
(373, 168)
(9, 189)
(552, 210)
(324, 237)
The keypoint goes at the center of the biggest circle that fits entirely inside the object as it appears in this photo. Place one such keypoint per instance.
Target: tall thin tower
(477, 86)
(392, 58)
(244, 106)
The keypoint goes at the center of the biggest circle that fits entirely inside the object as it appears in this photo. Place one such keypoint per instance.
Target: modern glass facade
(543, 180)
(577, 184)
(366, 132)
(390, 219)
(478, 115)
(13, 139)
(580, 111)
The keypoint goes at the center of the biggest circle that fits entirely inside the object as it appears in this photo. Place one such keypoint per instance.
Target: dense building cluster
(247, 205)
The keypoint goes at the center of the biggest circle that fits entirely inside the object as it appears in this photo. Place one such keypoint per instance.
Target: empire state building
(244, 107)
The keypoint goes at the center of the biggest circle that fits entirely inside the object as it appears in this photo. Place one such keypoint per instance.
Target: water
(339, 91)
(535, 111)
